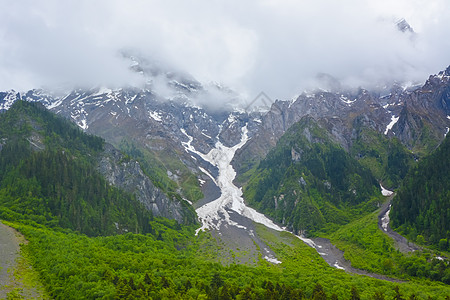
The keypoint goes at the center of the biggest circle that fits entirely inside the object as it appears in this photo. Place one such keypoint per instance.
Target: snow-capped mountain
(417, 115)
(192, 146)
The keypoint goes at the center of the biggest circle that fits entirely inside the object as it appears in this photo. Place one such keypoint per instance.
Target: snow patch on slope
(346, 100)
(55, 104)
(155, 116)
(9, 99)
(83, 124)
(394, 120)
(337, 266)
(385, 192)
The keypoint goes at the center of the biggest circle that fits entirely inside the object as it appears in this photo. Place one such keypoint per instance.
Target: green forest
(387, 158)
(48, 174)
(421, 209)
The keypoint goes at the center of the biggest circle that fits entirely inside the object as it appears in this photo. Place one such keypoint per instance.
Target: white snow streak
(394, 120)
(385, 219)
(206, 135)
(346, 100)
(55, 104)
(307, 241)
(208, 174)
(214, 214)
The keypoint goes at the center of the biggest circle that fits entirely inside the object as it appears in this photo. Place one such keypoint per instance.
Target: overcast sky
(275, 46)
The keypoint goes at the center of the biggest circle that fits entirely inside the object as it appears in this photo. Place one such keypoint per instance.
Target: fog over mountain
(273, 46)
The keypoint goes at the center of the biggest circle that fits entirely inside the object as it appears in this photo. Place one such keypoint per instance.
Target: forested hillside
(421, 209)
(386, 157)
(308, 182)
(48, 175)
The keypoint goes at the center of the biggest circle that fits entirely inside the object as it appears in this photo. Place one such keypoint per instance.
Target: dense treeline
(23, 117)
(167, 264)
(52, 186)
(421, 209)
(48, 174)
(308, 182)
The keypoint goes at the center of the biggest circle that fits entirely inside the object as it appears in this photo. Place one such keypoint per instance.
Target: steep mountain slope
(425, 116)
(50, 170)
(155, 121)
(419, 116)
(308, 181)
(174, 139)
(422, 204)
(386, 157)
(154, 130)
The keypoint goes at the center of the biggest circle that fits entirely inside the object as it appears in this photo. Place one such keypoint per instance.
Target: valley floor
(401, 243)
(335, 258)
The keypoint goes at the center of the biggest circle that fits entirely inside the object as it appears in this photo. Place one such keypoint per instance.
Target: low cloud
(273, 46)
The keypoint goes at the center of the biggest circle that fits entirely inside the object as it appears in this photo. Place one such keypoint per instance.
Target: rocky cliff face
(127, 174)
(425, 115)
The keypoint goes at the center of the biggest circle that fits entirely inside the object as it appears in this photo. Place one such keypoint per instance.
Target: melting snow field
(214, 214)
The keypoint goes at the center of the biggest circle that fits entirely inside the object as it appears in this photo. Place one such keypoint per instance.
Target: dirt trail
(13, 268)
(9, 252)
